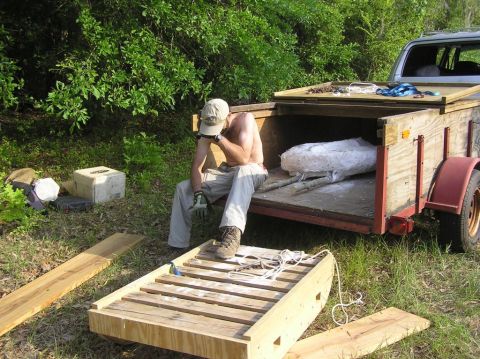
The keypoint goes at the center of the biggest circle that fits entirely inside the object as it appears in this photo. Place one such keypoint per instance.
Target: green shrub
(13, 205)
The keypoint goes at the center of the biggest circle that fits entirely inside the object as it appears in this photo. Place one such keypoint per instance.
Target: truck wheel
(462, 231)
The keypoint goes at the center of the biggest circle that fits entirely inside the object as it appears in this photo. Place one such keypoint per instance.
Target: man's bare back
(242, 131)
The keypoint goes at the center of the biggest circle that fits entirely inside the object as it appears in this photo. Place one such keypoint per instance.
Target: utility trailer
(427, 158)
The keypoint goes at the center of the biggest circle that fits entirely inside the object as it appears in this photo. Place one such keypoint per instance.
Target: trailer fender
(451, 183)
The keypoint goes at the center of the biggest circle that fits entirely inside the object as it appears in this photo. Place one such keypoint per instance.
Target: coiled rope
(287, 259)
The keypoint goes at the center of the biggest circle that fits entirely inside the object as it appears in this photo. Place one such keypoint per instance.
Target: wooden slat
(148, 278)
(237, 261)
(231, 267)
(33, 297)
(181, 305)
(223, 277)
(165, 317)
(229, 300)
(460, 94)
(221, 287)
(171, 331)
(359, 338)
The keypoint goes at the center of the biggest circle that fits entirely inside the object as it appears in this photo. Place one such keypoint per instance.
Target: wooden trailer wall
(401, 137)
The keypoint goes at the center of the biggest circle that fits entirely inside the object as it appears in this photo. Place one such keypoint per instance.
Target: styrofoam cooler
(99, 184)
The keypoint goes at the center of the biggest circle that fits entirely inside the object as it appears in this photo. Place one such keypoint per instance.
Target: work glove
(200, 205)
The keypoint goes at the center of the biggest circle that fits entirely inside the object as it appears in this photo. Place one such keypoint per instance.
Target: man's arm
(203, 144)
(240, 153)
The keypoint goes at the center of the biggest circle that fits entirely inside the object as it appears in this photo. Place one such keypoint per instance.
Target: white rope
(286, 259)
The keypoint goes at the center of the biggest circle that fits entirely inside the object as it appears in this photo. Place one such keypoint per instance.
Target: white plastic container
(99, 184)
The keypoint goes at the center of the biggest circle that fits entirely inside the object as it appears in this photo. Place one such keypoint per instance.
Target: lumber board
(222, 287)
(38, 294)
(182, 305)
(254, 252)
(211, 257)
(460, 94)
(207, 296)
(361, 337)
(223, 277)
(230, 267)
(210, 338)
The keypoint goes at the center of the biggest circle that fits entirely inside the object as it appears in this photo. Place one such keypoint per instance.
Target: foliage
(12, 204)
(144, 57)
(8, 68)
(146, 161)
(381, 28)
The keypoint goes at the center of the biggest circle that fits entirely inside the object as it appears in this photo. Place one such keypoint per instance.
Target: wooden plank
(460, 105)
(390, 134)
(356, 109)
(360, 337)
(221, 287)
(211, 297)
(237, 261)
(231, 267)
(223, 277)
(33, 297)
(181, 305)
(282, 325)
(460, 94)
(174, 319)
(254, 252)
(209, 338)
(148, 278)
(254, 107)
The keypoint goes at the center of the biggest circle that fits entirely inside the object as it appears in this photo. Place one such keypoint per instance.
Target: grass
(411, 273)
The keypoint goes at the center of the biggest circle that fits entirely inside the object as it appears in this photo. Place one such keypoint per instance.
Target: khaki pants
(239, 182)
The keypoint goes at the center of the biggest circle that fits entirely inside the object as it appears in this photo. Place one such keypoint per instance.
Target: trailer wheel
(462, 231)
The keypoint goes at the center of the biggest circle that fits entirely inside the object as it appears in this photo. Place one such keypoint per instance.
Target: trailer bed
(353, 196)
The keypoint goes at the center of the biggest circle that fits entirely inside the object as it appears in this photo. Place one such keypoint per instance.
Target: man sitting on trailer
(243, 172)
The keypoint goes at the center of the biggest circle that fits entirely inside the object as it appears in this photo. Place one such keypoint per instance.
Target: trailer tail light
(400, 225)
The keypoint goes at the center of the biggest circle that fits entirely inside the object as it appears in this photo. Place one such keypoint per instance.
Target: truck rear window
(443, 60)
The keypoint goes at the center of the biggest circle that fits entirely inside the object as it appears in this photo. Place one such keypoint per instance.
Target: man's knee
(183, 187)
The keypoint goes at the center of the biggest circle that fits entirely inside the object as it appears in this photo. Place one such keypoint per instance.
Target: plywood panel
(448, 94)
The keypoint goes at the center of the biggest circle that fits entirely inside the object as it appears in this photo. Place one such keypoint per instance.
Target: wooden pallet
(209, 313)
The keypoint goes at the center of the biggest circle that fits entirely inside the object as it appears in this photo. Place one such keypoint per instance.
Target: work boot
(230, 242)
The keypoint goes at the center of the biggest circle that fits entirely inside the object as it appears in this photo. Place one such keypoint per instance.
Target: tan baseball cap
(213, 117)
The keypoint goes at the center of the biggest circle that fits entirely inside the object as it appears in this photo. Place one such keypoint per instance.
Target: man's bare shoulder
(244, 118)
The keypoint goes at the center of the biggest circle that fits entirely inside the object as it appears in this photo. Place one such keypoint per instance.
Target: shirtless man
(238, 137)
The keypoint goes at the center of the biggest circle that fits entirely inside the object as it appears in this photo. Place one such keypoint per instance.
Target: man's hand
(200, 205)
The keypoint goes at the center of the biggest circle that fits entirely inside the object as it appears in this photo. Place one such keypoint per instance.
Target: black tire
(462, 231)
